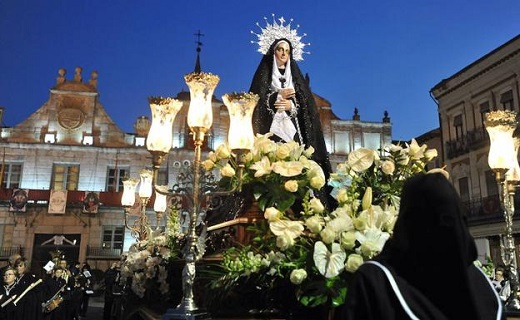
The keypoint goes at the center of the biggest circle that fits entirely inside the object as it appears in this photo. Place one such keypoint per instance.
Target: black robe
(30, 303)
(431, 255)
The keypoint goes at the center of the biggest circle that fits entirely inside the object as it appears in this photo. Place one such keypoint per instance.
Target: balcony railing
(6, 252)
(473, 140)
(488, 210)
(100, 253)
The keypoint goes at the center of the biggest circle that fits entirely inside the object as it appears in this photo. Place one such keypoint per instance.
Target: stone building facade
(489, 83)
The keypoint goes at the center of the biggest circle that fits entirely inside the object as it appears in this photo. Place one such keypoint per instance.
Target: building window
(113, 237)
(12, 175)
(115, 177)
(457, 123)
(506, 99)
(372, 140)
(464, 189)
(65, 177)
(341, 142)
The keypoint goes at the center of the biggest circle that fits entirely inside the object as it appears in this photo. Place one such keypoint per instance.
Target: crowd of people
(62, 293)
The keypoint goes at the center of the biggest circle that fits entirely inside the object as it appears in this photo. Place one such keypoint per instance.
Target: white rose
(328, 235)
(208, 165)
(291, 185)
(388, 167)
(353, 262)
(348, 240)
(284, 242)
(283, 151)
(317, 182)
(212, 156)
(314, 224)
(227, 171)
(298, 275)
(271, 214)
(223, 151)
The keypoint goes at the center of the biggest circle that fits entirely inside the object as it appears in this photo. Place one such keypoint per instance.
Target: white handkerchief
(282, 126)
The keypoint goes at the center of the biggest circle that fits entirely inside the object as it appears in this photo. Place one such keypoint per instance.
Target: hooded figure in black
(430, 256)
(286, 106)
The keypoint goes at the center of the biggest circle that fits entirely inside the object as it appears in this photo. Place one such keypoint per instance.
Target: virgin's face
(282, 53)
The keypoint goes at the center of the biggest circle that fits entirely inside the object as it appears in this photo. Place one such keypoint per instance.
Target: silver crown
(275, 31)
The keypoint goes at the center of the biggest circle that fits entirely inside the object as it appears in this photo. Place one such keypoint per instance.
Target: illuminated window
(65, 177)
(12, 175)
(113, 237)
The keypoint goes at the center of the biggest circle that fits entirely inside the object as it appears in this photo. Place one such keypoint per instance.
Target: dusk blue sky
(373, 55)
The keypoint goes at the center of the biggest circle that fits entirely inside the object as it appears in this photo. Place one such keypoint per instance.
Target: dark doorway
(48, 245)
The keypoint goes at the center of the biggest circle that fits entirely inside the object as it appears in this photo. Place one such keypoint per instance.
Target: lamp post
(503, 160)
(159, 142)
(140, 228)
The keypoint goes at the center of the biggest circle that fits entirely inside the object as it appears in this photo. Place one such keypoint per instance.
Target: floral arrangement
(276, 174)
(145, 265)
(315, 250)
(145, 268)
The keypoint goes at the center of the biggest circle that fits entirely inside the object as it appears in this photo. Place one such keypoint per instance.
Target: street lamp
(502, 158)
(196, 195)
(140, 228)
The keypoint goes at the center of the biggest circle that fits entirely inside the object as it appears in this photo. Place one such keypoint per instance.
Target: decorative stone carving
(71, 118)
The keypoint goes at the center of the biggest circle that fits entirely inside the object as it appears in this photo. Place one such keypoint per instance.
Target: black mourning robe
(431, 257)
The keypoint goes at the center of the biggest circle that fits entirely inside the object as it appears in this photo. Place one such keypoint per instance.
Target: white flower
(430, 154)
(263, 144)
(328, 235)
(284, 241)
(286, 227)
(415, 151)
(223, 151)
(317, 182)
(283, 151)
(353, 262)
(298, 276)
(227, 171)
(272, 214)
(308, 152)
(341, 223)
(388, 167)
(314, 224)
(361, 159)
(212, 156)
(316, 205)
(348, 239)
(372, 241)
(262, 167)
(208, 165)
(291, 185)
(329, 264)
(288, 168)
